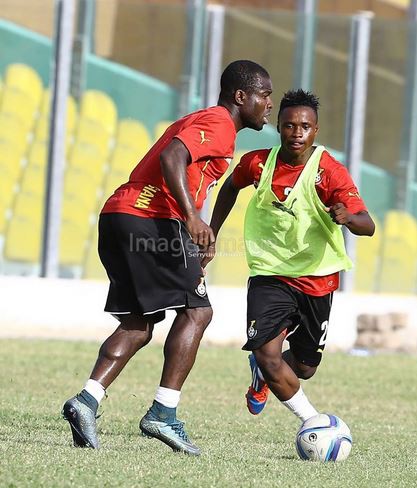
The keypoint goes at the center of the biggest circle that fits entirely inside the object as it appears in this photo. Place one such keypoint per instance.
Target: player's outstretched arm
(360, 224)
(224, 204)
(174, 160)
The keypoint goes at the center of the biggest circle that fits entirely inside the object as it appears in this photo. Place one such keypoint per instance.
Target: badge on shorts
(251, 330)
(201, 288)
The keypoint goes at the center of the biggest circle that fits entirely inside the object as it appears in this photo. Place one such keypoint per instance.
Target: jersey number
(324, 328)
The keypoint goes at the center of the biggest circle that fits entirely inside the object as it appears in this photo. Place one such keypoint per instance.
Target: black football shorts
(152, 264)
(274, 306)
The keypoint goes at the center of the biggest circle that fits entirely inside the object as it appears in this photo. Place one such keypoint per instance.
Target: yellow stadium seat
(38, 154)
(79, 186)
(25, 79)
(27, 216)
(133, 134)
(33, 180)
(10, 160)
(91, 132)
(19, 105)
(42, 126)
(10, 171)
(73, 243)
(160, 128)
(113, 181)
(93, 268)
(398, 270)
(367, 261)
(12, 130)
(89, 159)
(124, 159)
(17, 245)
(97, 105)
(28, 204)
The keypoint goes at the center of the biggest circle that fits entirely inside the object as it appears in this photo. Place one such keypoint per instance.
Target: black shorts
(274, 306)
(153, 265)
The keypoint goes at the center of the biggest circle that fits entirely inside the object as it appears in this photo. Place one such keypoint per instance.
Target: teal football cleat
(172, 434)
(82, 421)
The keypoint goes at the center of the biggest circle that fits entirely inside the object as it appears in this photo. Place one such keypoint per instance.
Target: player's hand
(208, 255)
(201, 233)
(339, 214)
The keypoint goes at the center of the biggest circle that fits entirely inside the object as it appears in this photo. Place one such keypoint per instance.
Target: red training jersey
(209, 135)
(333, 184)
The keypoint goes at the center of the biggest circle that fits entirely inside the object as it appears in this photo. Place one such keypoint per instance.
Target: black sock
(166, 414)
(89, 400)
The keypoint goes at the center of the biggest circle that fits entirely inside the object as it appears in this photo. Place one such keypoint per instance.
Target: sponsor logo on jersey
(145, 196)
(251, 330)
(203, 137)
(287, 190)
(354, 194)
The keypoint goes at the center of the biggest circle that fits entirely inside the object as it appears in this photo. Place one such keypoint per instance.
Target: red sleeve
(342, 189)
(212, 135)
(249, 169)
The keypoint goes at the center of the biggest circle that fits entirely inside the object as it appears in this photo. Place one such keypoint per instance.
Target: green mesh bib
(295, 237)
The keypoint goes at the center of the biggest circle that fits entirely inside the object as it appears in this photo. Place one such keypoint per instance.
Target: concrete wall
(72, 309)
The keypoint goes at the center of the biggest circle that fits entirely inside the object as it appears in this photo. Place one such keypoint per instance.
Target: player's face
(257, 105)
(298, 128)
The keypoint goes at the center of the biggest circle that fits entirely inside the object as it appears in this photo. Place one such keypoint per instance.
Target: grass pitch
(376, 396)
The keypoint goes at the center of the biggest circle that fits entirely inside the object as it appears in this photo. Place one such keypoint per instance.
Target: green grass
(375, 395)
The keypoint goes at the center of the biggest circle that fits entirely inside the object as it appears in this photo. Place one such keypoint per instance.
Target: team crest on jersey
(201, 288)
(319, 176)
(251, 330)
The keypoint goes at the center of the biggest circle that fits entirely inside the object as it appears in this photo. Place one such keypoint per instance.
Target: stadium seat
(123, 160)
(98, 106)
(398, 271)
(10, 171)
(72, 111)
(12, 130)
(38, 154)
(91, 132)
(93, 268)
(367, 261)
(25, 79)
(79, 186)
(73, 243)
(42, 124)
(22, 93)
(89, 159)
(19, 105)
(33, 180)
(27, 214)
(160, 128)
(133, 134)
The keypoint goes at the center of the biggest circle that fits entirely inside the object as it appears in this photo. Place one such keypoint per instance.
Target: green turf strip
(376, 396)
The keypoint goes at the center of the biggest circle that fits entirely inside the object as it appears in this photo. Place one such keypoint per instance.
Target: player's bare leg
(303, 371)
(180, 351)
(281, 378)
(133, 333)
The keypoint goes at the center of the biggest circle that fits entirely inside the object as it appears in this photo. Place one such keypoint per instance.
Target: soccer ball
(324, 437)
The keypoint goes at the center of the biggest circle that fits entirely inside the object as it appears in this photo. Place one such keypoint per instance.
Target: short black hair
(299, 98)
(241, 75)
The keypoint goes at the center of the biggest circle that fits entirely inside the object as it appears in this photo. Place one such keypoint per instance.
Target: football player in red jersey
(151, 242)
(304, 197)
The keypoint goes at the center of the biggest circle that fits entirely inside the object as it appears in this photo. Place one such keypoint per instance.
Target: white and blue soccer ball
(324, 437)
